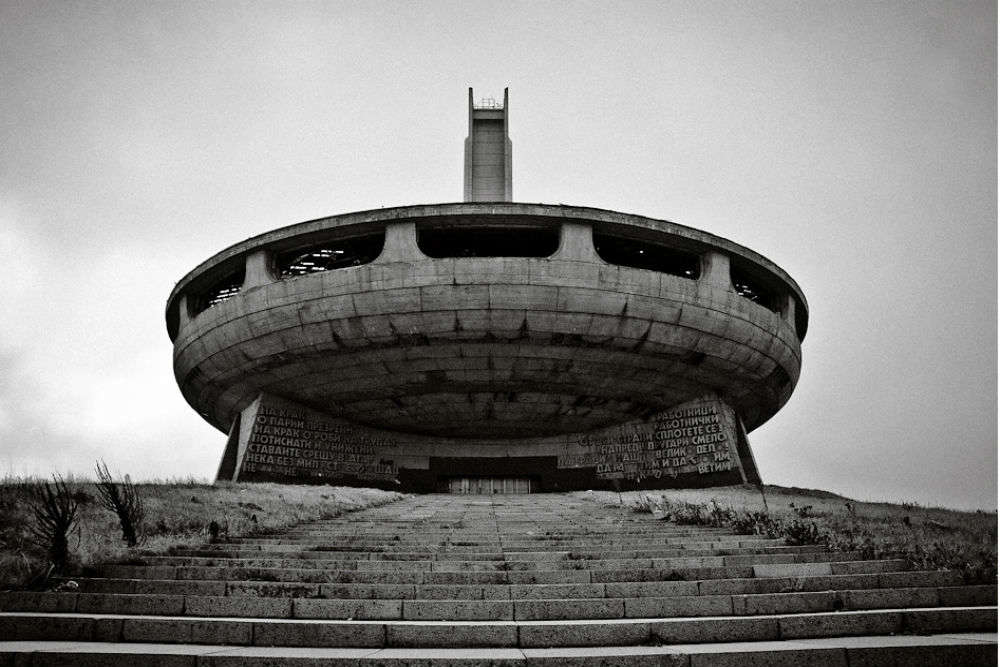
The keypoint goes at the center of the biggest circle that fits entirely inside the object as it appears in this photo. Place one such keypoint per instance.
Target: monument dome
(488, 345)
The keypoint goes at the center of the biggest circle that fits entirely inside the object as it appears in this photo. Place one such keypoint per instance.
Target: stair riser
(523, 635)
(877, 583)
(304, 607)
(287, 571)
(452, 554)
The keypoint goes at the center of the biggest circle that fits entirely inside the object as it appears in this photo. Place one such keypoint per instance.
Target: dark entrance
(489, 485)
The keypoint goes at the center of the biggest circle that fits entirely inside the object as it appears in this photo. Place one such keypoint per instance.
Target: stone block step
(450, 554)
(321, 588)
(304, 601)
(253, 631)
(332, 572)
(431, 545)
(422, 540)
(551, 561)
(540, 580)
(553, 531)
(965, 649)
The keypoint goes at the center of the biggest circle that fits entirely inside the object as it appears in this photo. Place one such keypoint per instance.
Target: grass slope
(929, 537)
(179, 513)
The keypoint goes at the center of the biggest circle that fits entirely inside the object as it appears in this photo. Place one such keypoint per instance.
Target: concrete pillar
(576, 243)
(183, 313)
(788, 309)
(258, 270)
(400, 244)
(508, 158)
(488, 175)
(715, 270)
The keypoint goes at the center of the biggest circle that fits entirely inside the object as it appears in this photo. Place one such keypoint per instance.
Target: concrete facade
(450, 353)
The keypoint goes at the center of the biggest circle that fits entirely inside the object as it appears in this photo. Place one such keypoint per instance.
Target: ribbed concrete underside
(491, 390)
(528, 580)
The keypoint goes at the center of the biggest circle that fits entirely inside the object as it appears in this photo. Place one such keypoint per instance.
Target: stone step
(914, 579)
(521, 577)
(449, 553)
(314, 601)
(430, 544)
(545, 561)
(964, 649)
(642, 532)
(491, 633)
(419, 538)
(324, 572)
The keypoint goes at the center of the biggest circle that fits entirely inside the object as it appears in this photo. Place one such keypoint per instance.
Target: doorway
(488, 486)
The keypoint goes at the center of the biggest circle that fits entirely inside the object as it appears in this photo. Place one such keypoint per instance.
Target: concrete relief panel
(284, 441)
(697, 438)
(694, 444)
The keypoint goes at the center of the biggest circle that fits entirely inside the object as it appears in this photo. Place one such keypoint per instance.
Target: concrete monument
(488, 346)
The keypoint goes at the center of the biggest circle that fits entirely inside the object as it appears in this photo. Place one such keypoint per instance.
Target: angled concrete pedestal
(698, 443)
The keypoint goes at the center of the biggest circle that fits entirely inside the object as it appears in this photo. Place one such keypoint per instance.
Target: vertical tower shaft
(488, 152)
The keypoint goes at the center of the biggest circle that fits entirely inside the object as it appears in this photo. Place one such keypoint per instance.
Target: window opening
(222, 291)
(472, 242)
(331, 255)
(644, 255)
(751, 289)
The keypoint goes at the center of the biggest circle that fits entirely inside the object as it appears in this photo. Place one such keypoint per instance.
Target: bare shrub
(54, 510)
(124, 500)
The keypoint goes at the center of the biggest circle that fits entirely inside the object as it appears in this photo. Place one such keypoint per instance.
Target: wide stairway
(504, 580)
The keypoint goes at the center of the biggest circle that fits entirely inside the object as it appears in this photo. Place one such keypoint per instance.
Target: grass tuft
(929, 538)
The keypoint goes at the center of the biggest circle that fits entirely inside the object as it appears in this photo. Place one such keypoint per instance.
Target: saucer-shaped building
(488, 346)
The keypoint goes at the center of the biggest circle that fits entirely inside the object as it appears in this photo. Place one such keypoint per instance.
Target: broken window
(221, 291)
(645, 255)
(750, 288)
(337, 254)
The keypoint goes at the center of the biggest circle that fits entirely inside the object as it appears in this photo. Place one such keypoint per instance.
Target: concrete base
(700, 443)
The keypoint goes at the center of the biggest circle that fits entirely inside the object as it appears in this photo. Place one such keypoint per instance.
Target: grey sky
(854, 143)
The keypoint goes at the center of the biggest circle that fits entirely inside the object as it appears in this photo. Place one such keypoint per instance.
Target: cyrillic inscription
(691, 440)
(292, 443)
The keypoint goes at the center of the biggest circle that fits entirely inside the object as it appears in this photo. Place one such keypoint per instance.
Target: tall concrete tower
(488, 152)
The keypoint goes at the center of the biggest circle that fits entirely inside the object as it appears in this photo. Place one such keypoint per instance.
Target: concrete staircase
(518, 580)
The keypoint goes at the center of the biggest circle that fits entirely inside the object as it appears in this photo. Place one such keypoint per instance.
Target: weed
(927, 538)
(719, 516)
(642, 505)
(799, 532)
(755, 523)
(690, 514)
(802, 512)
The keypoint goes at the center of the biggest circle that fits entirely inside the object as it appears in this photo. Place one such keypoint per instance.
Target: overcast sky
(853, 143)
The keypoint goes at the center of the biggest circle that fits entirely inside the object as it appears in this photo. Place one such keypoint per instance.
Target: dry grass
(176, 513)
(929, 537)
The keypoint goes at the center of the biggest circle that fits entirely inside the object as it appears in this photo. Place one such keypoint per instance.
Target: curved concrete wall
(487, 347)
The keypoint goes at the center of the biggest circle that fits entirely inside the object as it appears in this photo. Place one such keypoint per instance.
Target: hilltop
(185, 513)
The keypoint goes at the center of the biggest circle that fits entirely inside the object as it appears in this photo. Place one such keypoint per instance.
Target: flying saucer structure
(488, 346)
